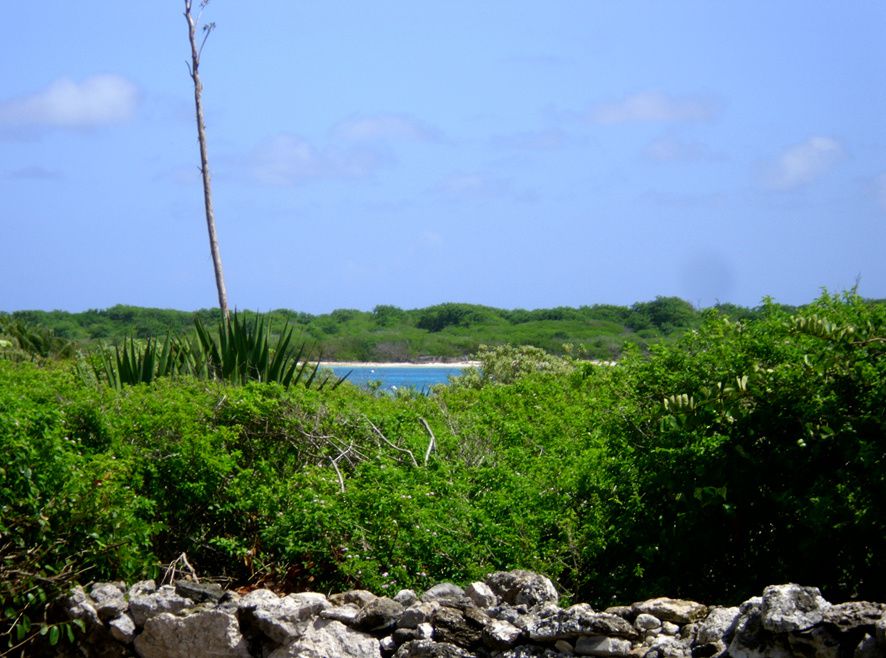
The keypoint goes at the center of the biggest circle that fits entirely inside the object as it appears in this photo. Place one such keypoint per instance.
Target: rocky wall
(511, 614)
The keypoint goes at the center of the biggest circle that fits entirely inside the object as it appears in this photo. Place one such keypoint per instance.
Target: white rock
(346, 614)
(209, 633)
(325, 639)
(670, 647)
(719, 623)
(145, 606)
(602, 646)
(122, 628)
(141, 588)
(669, 628)
(500, 634)
(791, 607)
(647, 622)
(256, 598)
(518, 586)
(481, 594)
(417, 613)
(443, 591)
(406, 597)
(677, 611)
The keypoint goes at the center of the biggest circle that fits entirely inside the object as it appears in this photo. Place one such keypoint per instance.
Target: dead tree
(194, 70)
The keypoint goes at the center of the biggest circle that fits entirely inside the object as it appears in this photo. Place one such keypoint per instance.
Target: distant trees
(664, 313)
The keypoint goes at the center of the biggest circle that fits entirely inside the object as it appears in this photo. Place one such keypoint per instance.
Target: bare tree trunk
(194, 70)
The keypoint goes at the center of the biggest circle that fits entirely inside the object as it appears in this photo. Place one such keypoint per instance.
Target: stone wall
(511, 614)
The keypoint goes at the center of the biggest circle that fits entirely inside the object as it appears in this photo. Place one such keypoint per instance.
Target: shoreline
(399, 364)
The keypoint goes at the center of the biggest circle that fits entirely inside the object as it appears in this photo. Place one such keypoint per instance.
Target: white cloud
(385, 126)
(803, 163)
(287, 159)
(97, 100)
(653, 106)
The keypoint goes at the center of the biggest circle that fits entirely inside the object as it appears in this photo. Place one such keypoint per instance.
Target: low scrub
(750, 451)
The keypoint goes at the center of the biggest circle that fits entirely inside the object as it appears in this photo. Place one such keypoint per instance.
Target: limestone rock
(646, 622)
(109, 600)
(405, 597)
(791, 607)
(718, 625)
(80, 606)
(145, 606)
(819, 641)
(198, 592)
(360, 597)
(346, 614)
(212, 633)
(140, 588)
(602, 646)
(430, 649)
(676, 611)
(442, 592)
(379, 615)
(522, 587)
(751, 640)
(418, 613)
(669, 628)
(665, 646)
(500, 634)
(256, 598)
(324, 639)
(481, 595)
(122, 628)
(462, 628)
(579, 620)
(282, 619)
(527, 651)
(855, 615)
(421, 632)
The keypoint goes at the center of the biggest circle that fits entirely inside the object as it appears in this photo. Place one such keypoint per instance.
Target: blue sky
(509, 153)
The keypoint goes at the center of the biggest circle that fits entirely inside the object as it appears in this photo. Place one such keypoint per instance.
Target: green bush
(747, 452)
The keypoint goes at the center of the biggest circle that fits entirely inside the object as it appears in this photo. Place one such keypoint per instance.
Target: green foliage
(437, 318)
(21, 340)
(746, 452)
(664, 313)
(505, 364)
(753, 452)
(388, 332)
(141, 362)
(241, 350)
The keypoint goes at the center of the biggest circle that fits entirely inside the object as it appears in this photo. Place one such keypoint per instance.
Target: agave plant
(241, 351)
(140, 362)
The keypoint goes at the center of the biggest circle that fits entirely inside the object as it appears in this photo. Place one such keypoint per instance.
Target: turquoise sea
(397, 377)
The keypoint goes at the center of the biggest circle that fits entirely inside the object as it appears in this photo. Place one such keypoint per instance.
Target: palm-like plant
(241, 351)
(139, 362)
(238, 352)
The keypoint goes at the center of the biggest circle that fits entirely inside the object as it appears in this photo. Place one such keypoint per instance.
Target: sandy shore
(401, 364)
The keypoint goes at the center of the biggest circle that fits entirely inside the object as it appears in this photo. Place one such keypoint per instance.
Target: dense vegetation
(389, 333)
(745, 452)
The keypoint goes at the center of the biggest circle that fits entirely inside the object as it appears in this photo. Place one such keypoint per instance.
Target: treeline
(389, 333)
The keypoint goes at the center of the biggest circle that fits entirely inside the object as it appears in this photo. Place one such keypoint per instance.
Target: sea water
(393, 378)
